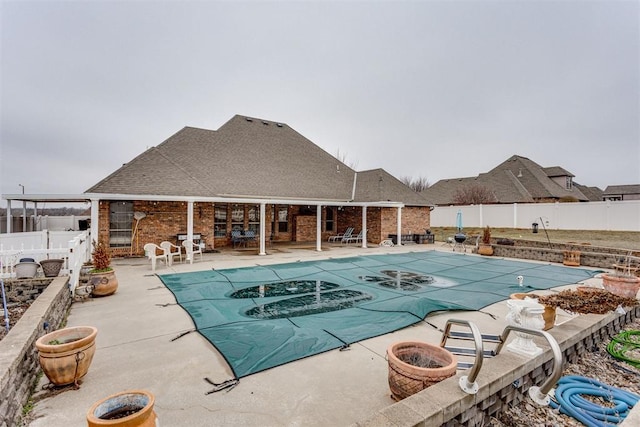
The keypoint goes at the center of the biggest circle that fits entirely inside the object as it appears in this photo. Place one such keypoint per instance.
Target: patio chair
(348, 232)
(354, 239)
(249, 236)
(154, 253)
(236, 238)
(192, 249)
(171, 251)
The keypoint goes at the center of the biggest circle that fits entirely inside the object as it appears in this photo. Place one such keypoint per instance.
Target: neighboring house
(250, 174)
(516, 180)
(621, 192)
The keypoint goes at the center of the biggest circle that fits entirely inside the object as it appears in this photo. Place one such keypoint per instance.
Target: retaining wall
(19, 364)
(503, 380)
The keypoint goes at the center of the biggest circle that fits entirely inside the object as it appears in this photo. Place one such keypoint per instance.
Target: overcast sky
(425, 88)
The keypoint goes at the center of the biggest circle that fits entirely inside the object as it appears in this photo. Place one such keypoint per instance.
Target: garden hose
(624, 342)
(568, 398)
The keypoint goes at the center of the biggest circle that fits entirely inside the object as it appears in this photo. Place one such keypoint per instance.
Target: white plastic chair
(151, 251)
(171, 251)
(191, 249)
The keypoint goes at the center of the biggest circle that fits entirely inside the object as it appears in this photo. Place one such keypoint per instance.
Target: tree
(474, 194)
(343, 158)
(418, 184)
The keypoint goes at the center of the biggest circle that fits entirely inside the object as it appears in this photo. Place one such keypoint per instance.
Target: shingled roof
(516, 180)
(246, 157)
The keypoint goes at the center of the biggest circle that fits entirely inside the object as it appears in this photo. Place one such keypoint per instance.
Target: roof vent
(249, 119)
(265, 123)
(279, 125)
(519, 173)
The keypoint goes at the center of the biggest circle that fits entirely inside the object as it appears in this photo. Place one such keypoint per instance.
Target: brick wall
(164, 220)
(19, 364)
(383, 221)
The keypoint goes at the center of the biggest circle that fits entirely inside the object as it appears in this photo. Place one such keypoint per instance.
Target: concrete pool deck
(135, 351)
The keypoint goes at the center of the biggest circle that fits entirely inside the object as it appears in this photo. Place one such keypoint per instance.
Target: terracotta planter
(549, 314)
(51, 267)
(571, 258)
(485, 249)
(65, 354)
(132, 408)
(623, 286)
(414, 366)
(103, 283)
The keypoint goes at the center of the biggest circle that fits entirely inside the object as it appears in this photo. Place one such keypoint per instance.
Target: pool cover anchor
(228, 384)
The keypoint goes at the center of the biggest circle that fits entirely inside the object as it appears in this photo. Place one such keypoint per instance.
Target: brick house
(250, 174)
(516, 180)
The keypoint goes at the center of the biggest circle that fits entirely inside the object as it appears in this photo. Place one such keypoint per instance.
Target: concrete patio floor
(135, 351)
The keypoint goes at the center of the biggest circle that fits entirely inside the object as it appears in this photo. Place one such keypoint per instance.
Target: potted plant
(485, 247)
(102, 278)
(65, 354)
(133, 408)
(415, 365)
(623, 282)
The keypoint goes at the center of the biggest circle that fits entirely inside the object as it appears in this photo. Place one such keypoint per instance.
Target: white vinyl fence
(72, 246)
(609, 215)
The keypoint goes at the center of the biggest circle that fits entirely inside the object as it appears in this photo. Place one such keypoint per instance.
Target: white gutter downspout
(353, 190)
(319, 228)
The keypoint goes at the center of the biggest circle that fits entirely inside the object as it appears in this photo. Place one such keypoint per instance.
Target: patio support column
(364, 226)
(399, 227)
(35, 216)
(319, 228)
(263, 228)
(9, 216)
(95, 217)
(189, 225)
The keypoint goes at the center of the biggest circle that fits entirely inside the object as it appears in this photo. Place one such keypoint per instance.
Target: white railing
(75, 251)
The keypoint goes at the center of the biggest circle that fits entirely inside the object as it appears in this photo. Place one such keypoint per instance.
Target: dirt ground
(609, 239)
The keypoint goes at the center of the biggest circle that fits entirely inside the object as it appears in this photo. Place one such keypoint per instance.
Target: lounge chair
(192, 249)
(154, 253)
(171, 251)
(354, 239)
(347, 234)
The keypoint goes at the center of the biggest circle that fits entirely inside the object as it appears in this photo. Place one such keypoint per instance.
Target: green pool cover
(265, 316)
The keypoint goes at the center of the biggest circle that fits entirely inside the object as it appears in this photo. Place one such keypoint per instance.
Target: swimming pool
(265, 316)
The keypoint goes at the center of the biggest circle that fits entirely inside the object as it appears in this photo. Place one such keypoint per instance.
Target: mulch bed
(587, 301)
(15, 313)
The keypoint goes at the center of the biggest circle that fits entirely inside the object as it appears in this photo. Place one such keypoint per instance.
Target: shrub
(101, 257)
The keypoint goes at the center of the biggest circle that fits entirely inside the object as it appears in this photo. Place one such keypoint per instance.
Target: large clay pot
(132, 408)
(65, 354)
(415, 365)
(549, 314)
(485, 249)
(51, 267)
(623, 286)
(103, 284)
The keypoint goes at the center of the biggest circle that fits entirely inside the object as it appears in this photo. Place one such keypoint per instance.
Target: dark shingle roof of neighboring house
(516, 180)
(594, 194)
(246, 157)
(621, 190)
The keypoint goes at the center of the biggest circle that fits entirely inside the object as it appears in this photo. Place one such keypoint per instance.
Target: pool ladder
(468, 383)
